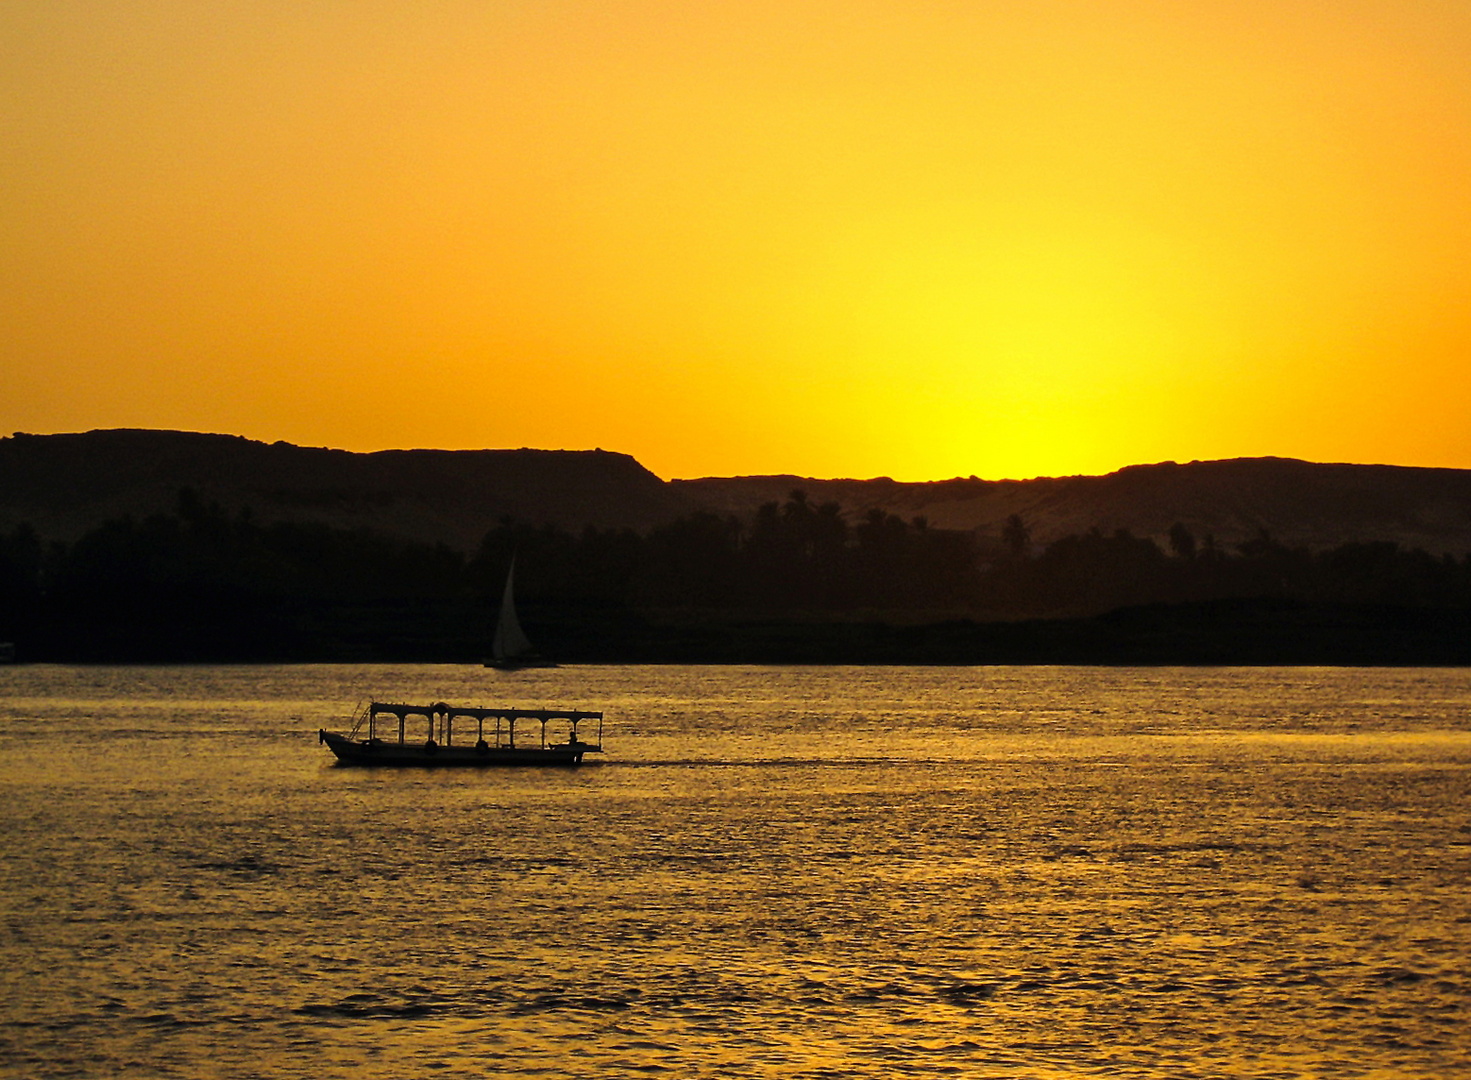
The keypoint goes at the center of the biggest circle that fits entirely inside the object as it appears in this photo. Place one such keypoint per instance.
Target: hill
(65, 485)
(1301, 504)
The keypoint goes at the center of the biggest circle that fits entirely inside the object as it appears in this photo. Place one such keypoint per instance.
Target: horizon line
(882, 478)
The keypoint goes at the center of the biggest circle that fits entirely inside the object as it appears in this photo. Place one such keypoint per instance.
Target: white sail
(510, 640)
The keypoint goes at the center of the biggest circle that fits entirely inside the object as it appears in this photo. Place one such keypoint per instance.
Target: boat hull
(425, 755)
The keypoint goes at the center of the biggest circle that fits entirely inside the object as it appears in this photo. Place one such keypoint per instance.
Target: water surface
(774, 872)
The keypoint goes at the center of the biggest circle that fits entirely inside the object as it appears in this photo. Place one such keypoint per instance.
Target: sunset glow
(834, 239)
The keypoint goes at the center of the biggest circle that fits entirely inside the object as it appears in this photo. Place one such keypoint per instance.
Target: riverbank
(1228, 632)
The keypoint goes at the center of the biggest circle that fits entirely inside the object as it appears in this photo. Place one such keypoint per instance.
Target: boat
(494, 746)
(510, 648)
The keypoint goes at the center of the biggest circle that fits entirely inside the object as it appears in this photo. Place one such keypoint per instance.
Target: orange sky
(848, 238)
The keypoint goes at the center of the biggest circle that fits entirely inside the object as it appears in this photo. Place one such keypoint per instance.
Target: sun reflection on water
(775, 872)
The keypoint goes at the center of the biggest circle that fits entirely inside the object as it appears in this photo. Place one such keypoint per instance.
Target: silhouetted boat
(510, 647)
(496, 747)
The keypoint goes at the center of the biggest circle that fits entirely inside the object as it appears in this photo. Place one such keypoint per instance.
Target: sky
(1002, 238)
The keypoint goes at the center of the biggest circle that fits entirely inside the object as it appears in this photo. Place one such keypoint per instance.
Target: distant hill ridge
(66, 484)
(1301, 504)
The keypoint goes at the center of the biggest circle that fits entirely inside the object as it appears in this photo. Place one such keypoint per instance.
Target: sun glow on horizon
(827, 239)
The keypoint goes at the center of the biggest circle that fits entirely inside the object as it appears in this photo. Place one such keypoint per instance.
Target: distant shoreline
(1228, 633)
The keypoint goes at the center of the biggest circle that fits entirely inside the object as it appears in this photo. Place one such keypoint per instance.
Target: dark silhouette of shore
(799, 583)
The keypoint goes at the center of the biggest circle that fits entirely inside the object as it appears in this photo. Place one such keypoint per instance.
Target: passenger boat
(492, 746)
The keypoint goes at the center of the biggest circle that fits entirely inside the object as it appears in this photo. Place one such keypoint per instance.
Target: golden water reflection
(776, 872)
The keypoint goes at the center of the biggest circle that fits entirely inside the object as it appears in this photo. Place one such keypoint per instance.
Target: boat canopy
(442, 716)
(440, 709)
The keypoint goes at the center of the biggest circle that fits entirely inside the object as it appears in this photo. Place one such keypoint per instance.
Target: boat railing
(440, 717)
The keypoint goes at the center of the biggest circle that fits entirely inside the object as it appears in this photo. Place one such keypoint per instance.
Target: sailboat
(510, 647)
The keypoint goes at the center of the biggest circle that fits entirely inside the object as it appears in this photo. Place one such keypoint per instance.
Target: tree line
(203, 583)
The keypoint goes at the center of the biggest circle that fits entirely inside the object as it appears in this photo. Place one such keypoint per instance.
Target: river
(805, 872)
